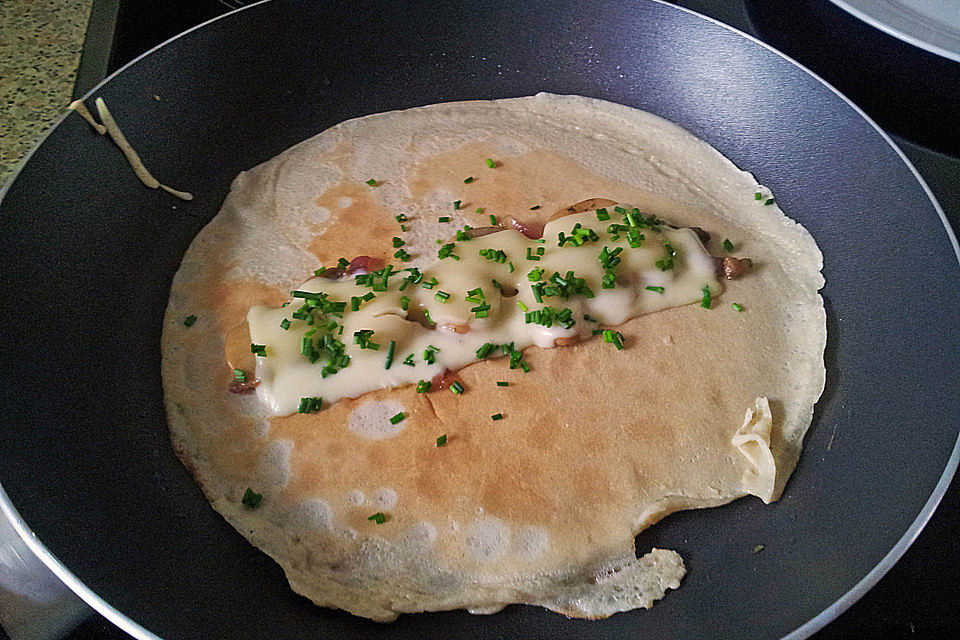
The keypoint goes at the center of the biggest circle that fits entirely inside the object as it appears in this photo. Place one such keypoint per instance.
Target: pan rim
(805, 630)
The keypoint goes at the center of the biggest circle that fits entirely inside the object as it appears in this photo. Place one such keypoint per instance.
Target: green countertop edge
(40, 45)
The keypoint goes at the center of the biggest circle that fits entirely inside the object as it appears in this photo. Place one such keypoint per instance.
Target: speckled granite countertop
(40, 42)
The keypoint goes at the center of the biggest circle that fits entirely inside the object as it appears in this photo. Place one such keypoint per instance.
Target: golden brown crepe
(701, 407)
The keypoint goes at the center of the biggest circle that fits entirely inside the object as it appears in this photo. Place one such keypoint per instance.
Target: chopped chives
(511, 267)
(490, 163)
(727, 245)
(503, 383)
(456, 204)
(402, 255)
(403, 227)
(442, 296)
(398, 417)
(259, 350)
(456, 388)
(398, 242)
(442, 440)
(378, 517)
(495, 283)
(493, 219)
(656, 289)
(354, 303)
(446, 251)
(443, 219)
(530, 255)
(485, 350)
(497, 416)
(769, 201)
(284, 324)
(189, 320)
(525, 367)
(705, 301)
(534, 208)
(251, 498)
(522, 306)
(239, 375)
(758, 196)
(423, 386)
(309, 405)
(318, 272)
(409, 361)
(390, 350)
(373, 183)
(404, 303)
(468, 180)
(602, 214)
(737, 307)
(400, 217)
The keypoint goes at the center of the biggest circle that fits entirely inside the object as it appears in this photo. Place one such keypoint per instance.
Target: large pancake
(541, 507)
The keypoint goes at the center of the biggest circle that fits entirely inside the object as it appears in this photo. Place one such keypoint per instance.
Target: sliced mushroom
(732, 268)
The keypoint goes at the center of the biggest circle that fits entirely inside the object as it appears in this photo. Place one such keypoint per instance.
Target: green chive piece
(400, 217)
(727, 245)
(239, 375)
(443, 219)
(259, 350)
(309, 405)
(456, 388)
(404, 303)
(442, 296)
(490, 163)
(409, 361)
(496, 284)
(511, 267)
(522, 306)
(390, 350)
(758, 196)
(423, 386)
(534, 208)
(737, 306)
(497, 416)
(468, 180)
(189, 320)
(493, 219)
(251, 498)
(705, 301)
(503, 383)
(373, 183)
(602, 214)
(656, 289)
(769, 201)
(456, 204)
(284, 324)
(442, 440)
(318, 272)
(758, 548)
(398, 417)
(378, 517)
(446, 251)
(485, 350)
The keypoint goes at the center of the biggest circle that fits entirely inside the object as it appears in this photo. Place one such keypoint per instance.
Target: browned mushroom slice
(732, 268)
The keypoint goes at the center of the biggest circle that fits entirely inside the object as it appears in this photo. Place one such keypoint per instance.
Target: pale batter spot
(344, 202)
(310, 514)
(274, 467)
(423, 534)
(385, 498)
(529, 543)
(372, 419)
(347, 533)
(487, 539)
(356, 497)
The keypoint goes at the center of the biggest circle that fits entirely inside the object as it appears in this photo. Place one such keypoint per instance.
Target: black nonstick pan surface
(89, 254)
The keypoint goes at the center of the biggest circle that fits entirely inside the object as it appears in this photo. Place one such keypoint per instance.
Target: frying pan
(89, 255)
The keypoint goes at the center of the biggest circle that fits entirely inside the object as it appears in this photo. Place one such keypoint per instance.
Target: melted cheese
(286, 375)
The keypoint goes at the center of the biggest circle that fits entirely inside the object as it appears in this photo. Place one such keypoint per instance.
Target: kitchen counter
(40, 43)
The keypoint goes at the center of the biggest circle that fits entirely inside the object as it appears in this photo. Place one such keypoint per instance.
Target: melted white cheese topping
(286, 375)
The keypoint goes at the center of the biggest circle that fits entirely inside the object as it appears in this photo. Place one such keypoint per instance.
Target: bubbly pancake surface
(542, 506)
